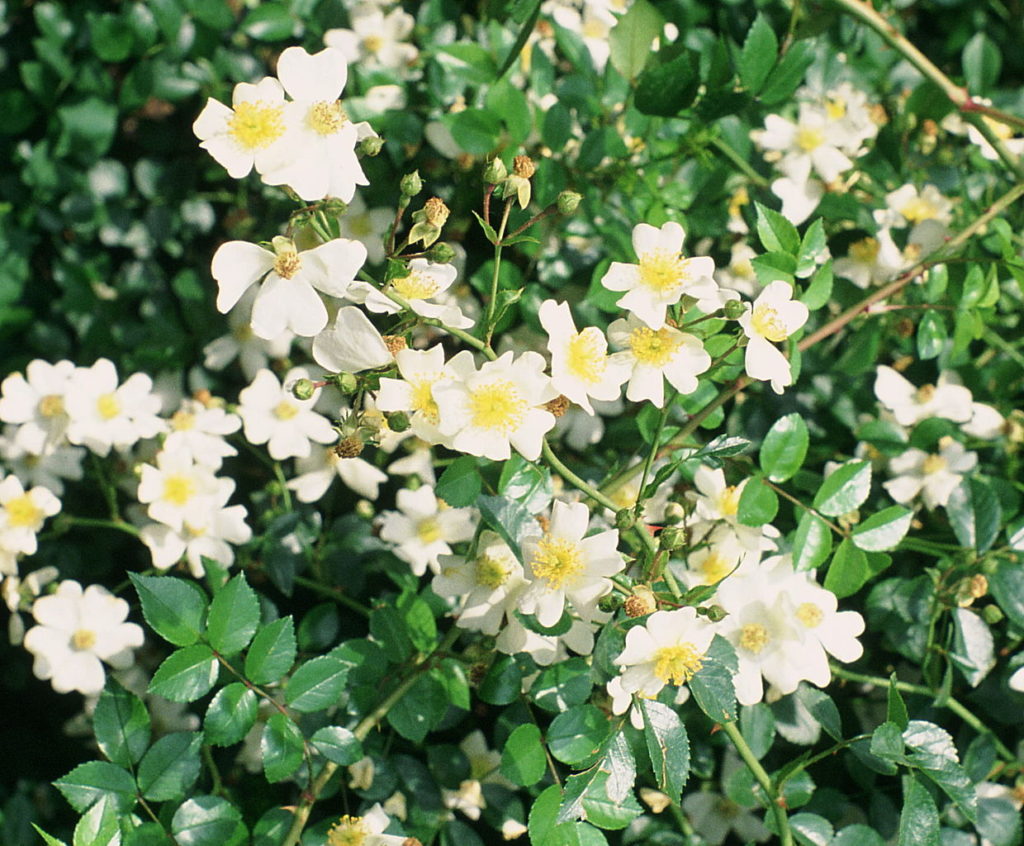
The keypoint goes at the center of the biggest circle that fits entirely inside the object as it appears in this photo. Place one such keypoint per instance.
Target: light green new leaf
(576, 735)
(230, 715)
(281, 747)
(460, 483)
(812, 542)
(758, 503)
(631, 37)
(522, 759)
(975, 514)
(777, 234)
(186, 674)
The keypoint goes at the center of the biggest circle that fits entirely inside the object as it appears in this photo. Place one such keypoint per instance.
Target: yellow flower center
(326, 118)
(557, 561)
(497, 406)
(182, 421)
(715, 568)
(677, 664)
(594, 28)
(738, 201)
(416, 286)
(372, 43)
(82, 640)
(490, 572)
(285, 410)
(178, 489)
(728, 501)
(194, 531)
(767, 322)
(585, 357)
(23, 513)
(864, 251)
(742, 268)
(51, 405)
(287, 263)
(348, 831)
(662, 271)
(653, 348)
(754, 637)
(256, 125)
(242, 333)
(809, 138)
(835, 108)
(108, 406)
(918, 209)
(810, 615)
(924, 393)
(423, 400)
(428, 530)
(934, 464)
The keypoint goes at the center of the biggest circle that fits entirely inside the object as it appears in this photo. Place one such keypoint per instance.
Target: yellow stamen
(326, 118)
(490, 572)
(654, 348)
(108, 406)
(728, 501)
(23, 513)
(428, 530)
(497, 406)
(754, 637)
(348, 831)
(423, 399)
(256, 125)
(51, 405)
(809, 138)
(585, 357)
(182, 421)
(934, 464)
(557, 561)
(864, 251)
(662, 271)
(918, 209)
(767, 322)
(82, 640)
(179, 489)
(810, 615)
(677, 664)
(416, 286)
(284, 410)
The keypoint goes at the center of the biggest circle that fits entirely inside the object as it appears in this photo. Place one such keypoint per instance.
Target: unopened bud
(349, 447)
(303, 389)
(715, 613)
(992, 614)
(411, 184)
(609, 603)
(672, 538)
(734, 309)
(441, 253)
(347, 383)
(435, 212)
(523, 166)
(625, 519)
(371, 145)
(334, 207)
(641, 602)
(364, 508)
(568, 202)
(674, 513)
(558, 406)
(398, 421)
(495, 172)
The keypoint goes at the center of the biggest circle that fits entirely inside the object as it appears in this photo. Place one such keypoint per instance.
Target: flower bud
(441, 253)
(371, 145)
(609, 603)
(364, 508)
(672, 538)
(334, 207)
(734, 309)
(495, 172)
(398, 421)
(674, 513)
(715, 613)
(347, 383)
(625, 519)
(411, 184)
(303, 389)
(992, 614)
(568, 202)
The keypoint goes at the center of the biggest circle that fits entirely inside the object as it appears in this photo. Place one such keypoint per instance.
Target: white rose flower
(774, 316)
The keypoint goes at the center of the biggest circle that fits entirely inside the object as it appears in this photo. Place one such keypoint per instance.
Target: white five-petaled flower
(317, 156)
(177, 490)
(871, 260)
(77, 630)
(22, 514)
(366, 830)
(487, 411)
(272, 415)
(199, 430)
(933, 476)
(661, 276)
(49, 468)
(487, 584)
(247, 134)
(286, 298)
(426, 282)
(564, 566)
(811, 143)
(580, 365)
(315, 473)
(423, 528)
(654, 355)
(773, 317)
(350, 344)
(376, 40)
(35, 402)
(413, 393)
(668, 649)
(910, 405)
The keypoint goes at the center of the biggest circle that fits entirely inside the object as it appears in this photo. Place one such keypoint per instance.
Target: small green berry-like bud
(441, 253)
(715, 613)
(992, 614)
(347, 383)
(371, 145)
(734, 309)
(303, 389)
(334, 207)
(568, 202)
(672, 537)
(609, 603)
(495, 172)
(411, 184)
(674, 513)
(624, 519)
(398, 421)
(364, 508)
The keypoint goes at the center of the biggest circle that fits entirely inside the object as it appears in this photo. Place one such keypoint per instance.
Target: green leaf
(509, 519)
(544, 828)
(813, 250)
(777, 234)
(208, 821)
(712, 685)
(460, 483)
(525, 31)
(845, 489)
(281, 747)
(821, 707)
(476, 131)
(338, 745)
(757, 724)
(1007, 586)
(784, 448)
(419, 621)
(757, 58)
(758, 503)
(849, 570)
(562, 685)
(600, 810)
(631, 37)
(819, 292)
(883, 530)
(526, 483)
(812, 542)
(774, 266)
(186, 674)
(99, 826)
(933, 752)
(87, 783)
(998, 821)
(272, 652)
(668, 747)
(316, 685)
(982, 62)
(669, 87)
(121, 724)
(492, 236)
(269, 22)
(522, 758)
(233, 617)
(858, 835)
(973, 651)
(811, 829)
(931, 335)
(576, 735)
(173, 608)
(896, 708)
(48, 838)
(975, 514)
(389, 629)
(788, 74)
(887, 742)
(230, 715)
(87, 129)
(171, 766)
(419, 711)
(919, 819)
(503, 682)
(110, 37)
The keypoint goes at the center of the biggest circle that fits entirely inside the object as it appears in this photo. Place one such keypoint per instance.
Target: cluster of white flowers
(815, 150)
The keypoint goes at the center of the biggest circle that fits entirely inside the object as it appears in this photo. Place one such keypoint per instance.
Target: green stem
(742, 165)
(495, 278)
(335, 594)
(282, 480)
(100, 523)
(775, 801)
(652, 453)
(797, 502)
(217, 784)
(998, 341)
(949, 702)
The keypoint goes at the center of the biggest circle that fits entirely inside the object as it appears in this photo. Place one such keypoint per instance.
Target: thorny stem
(774, 799)
(493, 298)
